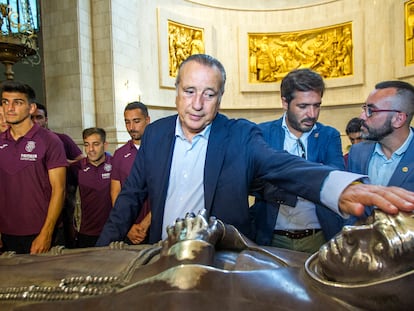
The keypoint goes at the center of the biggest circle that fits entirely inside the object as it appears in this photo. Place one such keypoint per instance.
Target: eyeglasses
(369, 111)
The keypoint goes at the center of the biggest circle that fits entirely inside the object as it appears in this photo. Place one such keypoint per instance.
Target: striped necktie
(302, 151)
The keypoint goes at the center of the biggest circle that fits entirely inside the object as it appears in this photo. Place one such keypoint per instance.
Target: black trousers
(83, 240)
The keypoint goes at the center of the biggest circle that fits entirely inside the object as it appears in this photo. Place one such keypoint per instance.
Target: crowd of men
(305, 189)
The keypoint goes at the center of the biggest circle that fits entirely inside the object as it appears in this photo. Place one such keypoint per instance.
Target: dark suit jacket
(236, 155)
(403, 176)
(324, 147)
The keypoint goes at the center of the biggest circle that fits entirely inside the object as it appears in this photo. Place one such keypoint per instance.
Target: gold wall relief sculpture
(183, 41)
(180, 36)
(409, 33)
(328, 50)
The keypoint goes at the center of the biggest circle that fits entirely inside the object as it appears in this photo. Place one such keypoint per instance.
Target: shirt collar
(132, 145)
(106, 155)
(29, 135)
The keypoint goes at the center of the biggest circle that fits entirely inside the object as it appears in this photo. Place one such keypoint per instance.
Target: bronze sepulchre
(204, 264)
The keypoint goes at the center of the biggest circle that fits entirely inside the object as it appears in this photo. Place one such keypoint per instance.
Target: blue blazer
(236, 155)
(324, 147)
(360, 155)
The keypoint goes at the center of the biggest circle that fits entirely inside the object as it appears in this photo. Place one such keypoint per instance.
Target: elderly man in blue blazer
(387, 154)
(201, 159)
(299, 224)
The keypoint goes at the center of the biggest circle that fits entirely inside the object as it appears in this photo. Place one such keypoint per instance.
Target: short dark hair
(404, 94)
(16, 86)
(302, 80)
(137, 105)
(94, 130)
(41, 107)
(399, 85)
(353, 126)
(206, 60)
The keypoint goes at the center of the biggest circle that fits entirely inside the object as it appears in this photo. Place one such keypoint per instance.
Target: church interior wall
(111, 54)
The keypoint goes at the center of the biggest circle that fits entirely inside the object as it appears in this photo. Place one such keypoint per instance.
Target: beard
(297, 125)
(135, 135)
(377, 134)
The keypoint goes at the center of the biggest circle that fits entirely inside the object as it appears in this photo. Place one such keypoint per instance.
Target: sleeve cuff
(335, 184)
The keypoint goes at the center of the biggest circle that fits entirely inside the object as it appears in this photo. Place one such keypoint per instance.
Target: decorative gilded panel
(183, 41)
(403, 45)
(409, 33)
(328, 51)
(332, 49)
(179, 37)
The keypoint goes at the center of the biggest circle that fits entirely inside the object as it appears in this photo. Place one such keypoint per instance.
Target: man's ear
(33, 107)
(285, 104)
(399, 120)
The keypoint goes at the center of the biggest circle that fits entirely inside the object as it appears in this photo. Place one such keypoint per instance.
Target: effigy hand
(195, 227)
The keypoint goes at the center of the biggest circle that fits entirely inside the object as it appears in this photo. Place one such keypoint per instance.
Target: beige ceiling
(260, 5)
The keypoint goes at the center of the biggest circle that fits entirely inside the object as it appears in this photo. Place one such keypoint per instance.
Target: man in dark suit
(201, 159)
(299, 225)
(387, 153)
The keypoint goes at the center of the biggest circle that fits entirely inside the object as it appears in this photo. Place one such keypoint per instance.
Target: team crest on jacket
(107, 167)
(30, 146)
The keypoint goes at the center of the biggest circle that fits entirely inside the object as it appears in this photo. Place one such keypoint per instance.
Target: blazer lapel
(277, 137)
(363, 151)
(161, 169)
(217, 145)
(404, 169)
(313, 145)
